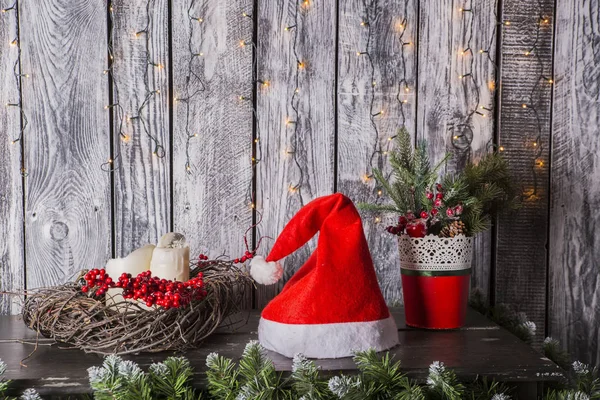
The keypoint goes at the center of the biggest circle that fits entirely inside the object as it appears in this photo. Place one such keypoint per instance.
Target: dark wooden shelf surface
(480, 348)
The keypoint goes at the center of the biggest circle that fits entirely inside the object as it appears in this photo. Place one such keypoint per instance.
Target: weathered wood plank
(574, 243)
(454, 83)
(524, 135)
(142, 195)
(12, 266)
(211, 70)
(491, 353)
(296, 158)
(377, 79)
(68, 197)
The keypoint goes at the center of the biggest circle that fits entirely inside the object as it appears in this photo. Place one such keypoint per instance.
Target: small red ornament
(424, 214)
(416, 229)
(437, 203)
(449, 212)
(429, 195)
(434, 212)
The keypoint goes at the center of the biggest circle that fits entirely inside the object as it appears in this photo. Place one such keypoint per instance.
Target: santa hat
(333, 305)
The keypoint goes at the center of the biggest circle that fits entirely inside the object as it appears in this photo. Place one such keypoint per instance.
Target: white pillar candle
(136, 262)
(171, 264)
(171, 258)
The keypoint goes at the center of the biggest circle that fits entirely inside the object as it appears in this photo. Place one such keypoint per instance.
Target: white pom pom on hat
(265, 272)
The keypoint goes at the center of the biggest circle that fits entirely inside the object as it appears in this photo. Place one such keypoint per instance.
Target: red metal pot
(436, 276)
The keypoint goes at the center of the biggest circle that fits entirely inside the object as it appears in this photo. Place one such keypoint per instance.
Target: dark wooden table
(480, 348)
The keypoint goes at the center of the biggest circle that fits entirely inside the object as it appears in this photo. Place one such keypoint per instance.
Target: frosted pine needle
(30, 394)
(211, 360)
(580, 368)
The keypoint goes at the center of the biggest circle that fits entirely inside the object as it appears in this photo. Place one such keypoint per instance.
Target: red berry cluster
(202, 257)
(427, 220)
(247, 256)
(414, 227)
(151, 290)
(161, 292)
(97, 278)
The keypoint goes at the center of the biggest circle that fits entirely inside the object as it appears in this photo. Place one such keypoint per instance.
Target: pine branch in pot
(438, 218)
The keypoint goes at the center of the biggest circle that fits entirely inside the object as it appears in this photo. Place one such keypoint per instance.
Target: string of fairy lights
(369, 9)
(113, 162)
(403, 84)
(462, 133)
(18, 76)
(529, 105)
(251, 99)
(366, 53)
(294, 121)
(194, 83)
(150, 64)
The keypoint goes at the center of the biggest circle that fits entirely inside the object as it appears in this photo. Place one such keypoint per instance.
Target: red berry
(237, 260)
(449, 212)
(429, 195)
(85, 289)
(434, 212)
(439, 196)
(438, 203)
(424, 214)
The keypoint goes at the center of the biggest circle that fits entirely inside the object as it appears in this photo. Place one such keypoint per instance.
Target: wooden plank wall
(296, 116)
(454, 77)
(376, 66)
(12, 266)
(524, 135)
(67, 194)
(140, 123)
(574, 303)
(217, 115)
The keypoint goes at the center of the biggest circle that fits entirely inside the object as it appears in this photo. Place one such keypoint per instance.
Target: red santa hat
(333, 305)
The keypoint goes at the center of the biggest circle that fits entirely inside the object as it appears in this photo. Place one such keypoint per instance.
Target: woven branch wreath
(68, 315)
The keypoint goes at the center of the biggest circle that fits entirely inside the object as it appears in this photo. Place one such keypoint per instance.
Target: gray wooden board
(142, 195)
(522, 236)
(311, 137)
(488, 351)
(212, 199)
(574, 314)
(385, 26)
(67, 215)
(12, 267)
(446, 100)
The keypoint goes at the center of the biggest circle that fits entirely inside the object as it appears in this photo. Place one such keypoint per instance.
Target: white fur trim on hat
(327, 340)
(265, 272)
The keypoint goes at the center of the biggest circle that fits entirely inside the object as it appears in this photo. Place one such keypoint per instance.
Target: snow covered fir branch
(254, 378)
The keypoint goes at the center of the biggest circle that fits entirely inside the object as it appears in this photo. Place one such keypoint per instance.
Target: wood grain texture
(67, 194)
(12, 266)
(311, 136)
(211, 201)
(574, 243)
(522, 236)
(491, 351)
(142, 195)
(449, 47)
(381, 27)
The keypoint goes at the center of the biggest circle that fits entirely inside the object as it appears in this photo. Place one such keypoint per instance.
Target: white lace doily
(433, 253)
